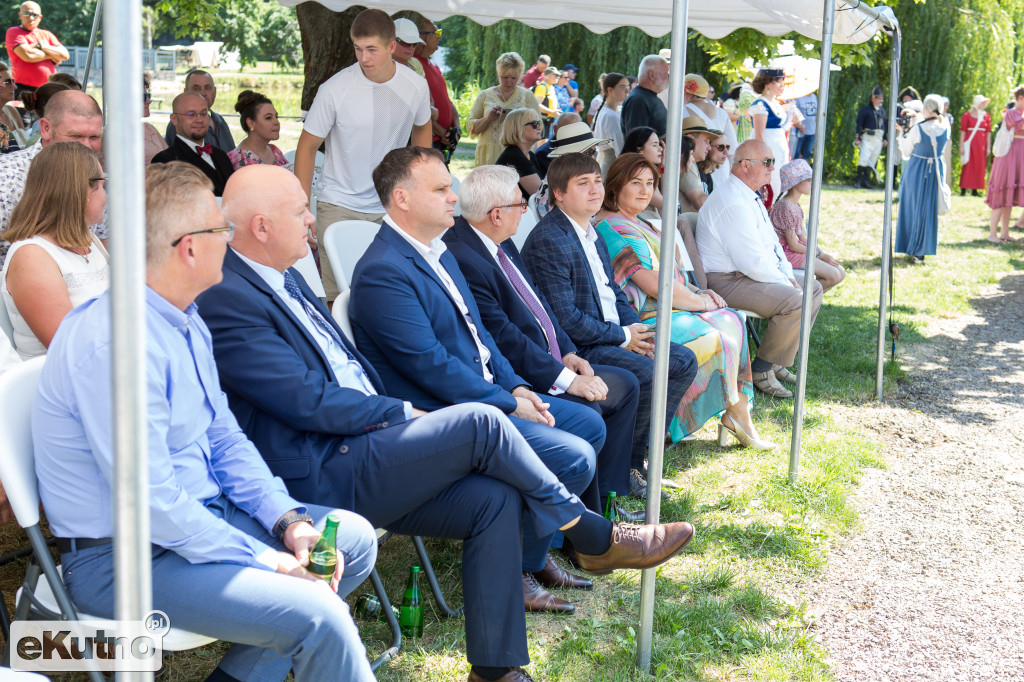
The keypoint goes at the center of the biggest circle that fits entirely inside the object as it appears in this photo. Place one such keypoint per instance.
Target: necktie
(204, 149)
(531, 302)
(292, 287)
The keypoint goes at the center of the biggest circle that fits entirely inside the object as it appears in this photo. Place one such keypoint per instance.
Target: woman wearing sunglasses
(522, 130)
(718, 157)
(54, 263)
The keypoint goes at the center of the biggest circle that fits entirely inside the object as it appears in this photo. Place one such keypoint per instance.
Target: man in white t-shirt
(363, 112)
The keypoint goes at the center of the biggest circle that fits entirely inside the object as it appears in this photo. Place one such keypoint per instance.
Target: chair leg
(435, 588)
(755, 337)
(389, 616)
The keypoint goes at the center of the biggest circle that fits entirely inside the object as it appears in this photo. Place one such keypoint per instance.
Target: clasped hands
(586, 384)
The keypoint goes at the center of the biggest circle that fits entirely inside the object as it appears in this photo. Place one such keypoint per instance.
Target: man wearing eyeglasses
(446, 124)
(218, 134)
(191, 120)
(34, 52)
(745, 264)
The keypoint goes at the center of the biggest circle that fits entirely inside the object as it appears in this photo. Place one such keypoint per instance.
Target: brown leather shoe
(554, 576)
(638, 547)
(537, 599)
(513, 675)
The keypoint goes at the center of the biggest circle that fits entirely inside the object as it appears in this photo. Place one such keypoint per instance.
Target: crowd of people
(489, 395)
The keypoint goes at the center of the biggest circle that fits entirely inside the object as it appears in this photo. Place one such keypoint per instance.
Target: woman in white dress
(608, 119)
(769, 117)
(695, 92)
(55, 263)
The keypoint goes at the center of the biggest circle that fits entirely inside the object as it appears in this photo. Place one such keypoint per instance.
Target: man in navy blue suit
(321, 418)
(569, 262)
(526, 330)
(415, 319)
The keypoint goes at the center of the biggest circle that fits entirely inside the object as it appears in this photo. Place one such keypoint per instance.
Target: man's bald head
(71, 102)
(271, 213)
(31, 15)
(185, 99)
(749, 164)
(72, 116)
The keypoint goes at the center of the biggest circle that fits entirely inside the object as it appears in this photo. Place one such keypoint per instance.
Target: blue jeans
(277, 622)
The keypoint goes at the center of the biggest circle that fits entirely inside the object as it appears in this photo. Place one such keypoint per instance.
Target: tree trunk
(326, 45)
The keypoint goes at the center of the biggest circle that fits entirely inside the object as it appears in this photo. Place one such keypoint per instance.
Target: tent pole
(890, 172)
(92, 43)
(122, 82)
(656, 446)
(812, 240)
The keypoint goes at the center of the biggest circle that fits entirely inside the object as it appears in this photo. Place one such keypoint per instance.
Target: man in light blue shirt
(229, 544)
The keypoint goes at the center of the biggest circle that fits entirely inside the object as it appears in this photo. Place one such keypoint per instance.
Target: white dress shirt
(205, 157)
(432, 254)
(566, 376)
(735, 234)
(588, 239)
(348, 372)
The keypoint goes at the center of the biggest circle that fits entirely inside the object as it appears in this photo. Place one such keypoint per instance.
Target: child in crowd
(788, 218)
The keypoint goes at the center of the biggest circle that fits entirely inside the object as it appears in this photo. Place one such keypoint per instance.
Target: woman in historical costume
(769, 117)
(975, 145)
(917, 228)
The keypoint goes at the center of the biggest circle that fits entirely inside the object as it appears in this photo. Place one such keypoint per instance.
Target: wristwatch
(287, 520)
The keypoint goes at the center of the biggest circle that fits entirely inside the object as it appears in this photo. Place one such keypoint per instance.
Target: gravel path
(933, 586)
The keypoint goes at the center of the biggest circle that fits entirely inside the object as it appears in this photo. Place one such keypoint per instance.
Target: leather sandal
(769, 385)
(783, 374)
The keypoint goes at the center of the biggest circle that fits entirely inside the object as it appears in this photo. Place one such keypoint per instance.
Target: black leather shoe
(554, 576)
(627, 516)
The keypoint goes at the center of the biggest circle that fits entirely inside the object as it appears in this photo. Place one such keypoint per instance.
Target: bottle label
(322, 564)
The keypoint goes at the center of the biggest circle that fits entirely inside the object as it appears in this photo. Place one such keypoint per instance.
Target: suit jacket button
(476, 359)
(384, 425)
(343, 450)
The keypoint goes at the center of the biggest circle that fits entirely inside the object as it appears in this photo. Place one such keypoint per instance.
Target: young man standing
(362, 112)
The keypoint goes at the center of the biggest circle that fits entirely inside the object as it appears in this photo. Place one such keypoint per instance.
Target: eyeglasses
(147, 96)
(721, 147)
(522, 206)
(229, 228)
(436, 34)
(31, 15)
(536, 124)
(194, 114)
(768, 163)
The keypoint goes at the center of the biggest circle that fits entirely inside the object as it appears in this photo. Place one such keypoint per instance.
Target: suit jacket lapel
(581, 255)
(186, 153)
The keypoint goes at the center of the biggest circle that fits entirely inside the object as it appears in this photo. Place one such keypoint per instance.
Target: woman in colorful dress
(917, 228)
(716, 334)
(768, 117)
(975, 145)
(260, 122)
(1006, 181)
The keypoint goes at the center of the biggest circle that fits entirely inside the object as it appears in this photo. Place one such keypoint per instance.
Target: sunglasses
(229, 228)
(31, 15)
(768, 163)
(436, 34)
(536, 124)
(403, 43)
(7, 81)
(721, 147)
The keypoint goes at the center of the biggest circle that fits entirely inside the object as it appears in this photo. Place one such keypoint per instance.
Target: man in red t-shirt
(447, 115)
(536, 72)
(34, 53)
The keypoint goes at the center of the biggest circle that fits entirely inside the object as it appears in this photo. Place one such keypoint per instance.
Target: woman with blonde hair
(519, 133)
(494, 104)
(54, 263)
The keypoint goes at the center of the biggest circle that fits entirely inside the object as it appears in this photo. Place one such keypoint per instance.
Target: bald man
(191, 119)
(745, 264)
(71, 116)
(34, 53)
(319, 414)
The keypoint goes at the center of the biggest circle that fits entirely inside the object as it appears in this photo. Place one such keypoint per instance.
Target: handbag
(944, 200)
(965, 156)
(1003, 141)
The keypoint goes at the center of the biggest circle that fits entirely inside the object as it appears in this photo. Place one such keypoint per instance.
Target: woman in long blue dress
(917, 228)
(716, 334)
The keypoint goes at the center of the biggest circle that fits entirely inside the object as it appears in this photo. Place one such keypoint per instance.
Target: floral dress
(718, 338)
(242, 157)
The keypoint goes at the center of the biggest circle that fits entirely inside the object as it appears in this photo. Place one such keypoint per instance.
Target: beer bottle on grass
(410, 616)
(323, 558)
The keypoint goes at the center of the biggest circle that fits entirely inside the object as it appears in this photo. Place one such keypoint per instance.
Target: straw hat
(696, 84)
(792, 174)
(666, 54)
(694, 124)
(574, 137)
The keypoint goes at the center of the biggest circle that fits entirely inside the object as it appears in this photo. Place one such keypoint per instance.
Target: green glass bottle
(323, 558)
(410, 616)
(611, 510)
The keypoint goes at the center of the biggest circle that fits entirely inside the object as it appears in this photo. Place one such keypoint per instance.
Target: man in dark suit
(415, 319)
(191, 119)
(320, 416)
(569, 263)
(526, 330)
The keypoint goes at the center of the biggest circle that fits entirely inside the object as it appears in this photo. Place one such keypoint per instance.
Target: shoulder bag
(944, 199)
(965, 155)
(1004, 139)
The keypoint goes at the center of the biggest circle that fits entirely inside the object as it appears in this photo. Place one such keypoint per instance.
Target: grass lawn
(730, 607)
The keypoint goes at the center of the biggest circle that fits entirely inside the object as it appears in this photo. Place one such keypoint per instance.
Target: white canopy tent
(845, 21)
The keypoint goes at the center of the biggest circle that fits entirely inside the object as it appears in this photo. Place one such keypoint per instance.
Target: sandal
(769, 385)
(783, 374)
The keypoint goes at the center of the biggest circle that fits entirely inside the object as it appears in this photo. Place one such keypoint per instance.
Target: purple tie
(531, 302)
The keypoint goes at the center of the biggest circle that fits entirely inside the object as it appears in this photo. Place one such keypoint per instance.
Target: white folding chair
(345, 242)
(531, 204)
(6, 326)
(340, 313)
(290, 155)
(526, 225)
(456, 186)
(48, 599)
(307, 268)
